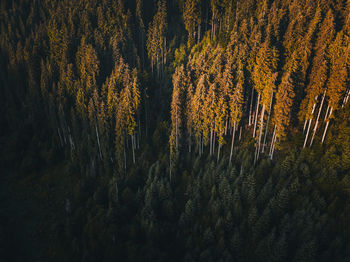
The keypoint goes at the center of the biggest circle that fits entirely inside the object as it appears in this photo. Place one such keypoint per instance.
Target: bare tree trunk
(272, 140)
(124, 159)
(98, 141)
(251, 107)
(261, 129)
(240, 133)
(273, 148)
(176, 136)
(307, 133)
(170, 167)
(325, 116)
(304, 125)
(267, 124)
(325, 130)
(202, 147)
(199, 146)
(318, 116)
(199, 32)
(233, 140)
(256, 115)
(255, 154)
(219, 147)
(214, 141)
(133, 148)
(226, 126)
(139, 134)
(210, 140)
(345, 100)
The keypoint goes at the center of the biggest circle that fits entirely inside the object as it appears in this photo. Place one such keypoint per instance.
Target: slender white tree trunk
(177, 147)
(214, 141)
(267, 125)
(139, 134)
(325, 116)
(325, 130)
(304, 126)
(256, 115)
(133, 147)
(124, 159)
(199, 32)
(250, 108)
(219, 147)
(273, 148)
(345, 100)
(318, 116)
(211, 139)
(98, 141)
(233, 140)
(272, 140)
(261, 129)
(307, 133)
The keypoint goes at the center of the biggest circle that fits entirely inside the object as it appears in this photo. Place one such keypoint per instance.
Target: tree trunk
(211, 139)
(133, 148)
(345, 100)
(307, 133)
(202, 147)
(176, 135)
(267, 125)
(98, 141)
(233, 140)
(304, 126)
(325, 130)
(214, 141)
(199, 32)
(219, 147)
(256, 115)
(273, 148)
(325, 116)
(250, 108)
(124, 159)
(272, 140)
(261, 129)
(240, 133)
(318, 116)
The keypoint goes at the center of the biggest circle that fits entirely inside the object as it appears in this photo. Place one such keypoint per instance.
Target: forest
(175, 130)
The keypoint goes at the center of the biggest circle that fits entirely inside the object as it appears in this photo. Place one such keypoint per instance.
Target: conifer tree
(156, 37)
(235, 103)
(192, 16)
(338, 53)
(264, 77)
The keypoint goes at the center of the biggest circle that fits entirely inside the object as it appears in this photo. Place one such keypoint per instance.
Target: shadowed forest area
(175, 130)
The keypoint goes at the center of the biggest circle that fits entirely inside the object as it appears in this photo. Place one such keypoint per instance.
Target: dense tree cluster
(294, 57)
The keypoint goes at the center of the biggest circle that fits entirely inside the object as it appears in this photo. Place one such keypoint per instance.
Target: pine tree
(318, 75)
(220, 117)
(338, 53)
(176, 112)
(156, 38)
(264, 77)
(192, 16)
(235, 103)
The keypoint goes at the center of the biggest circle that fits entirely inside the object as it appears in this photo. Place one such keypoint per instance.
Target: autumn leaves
(264, 78)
